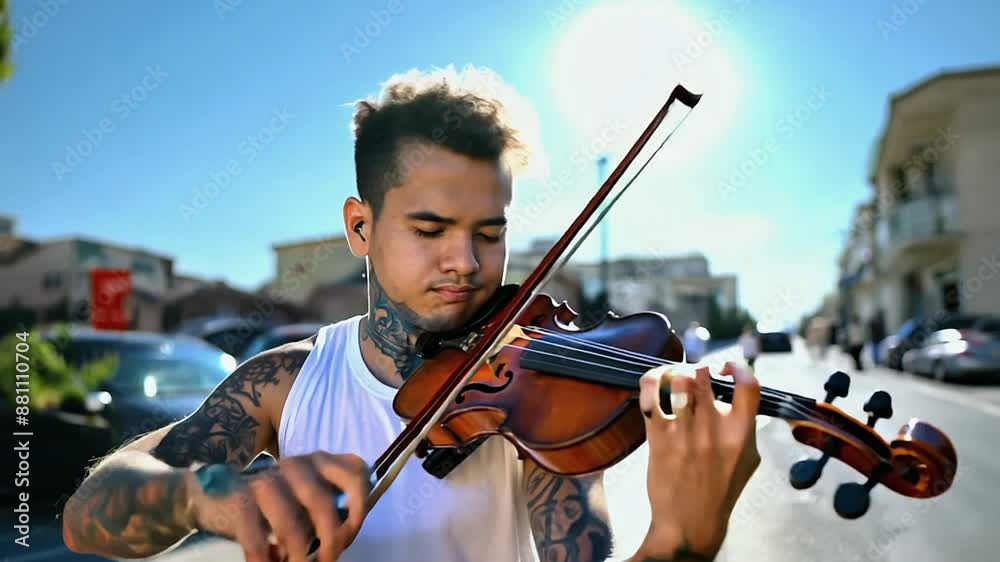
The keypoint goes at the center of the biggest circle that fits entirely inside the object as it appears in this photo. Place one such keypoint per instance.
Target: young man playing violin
(435, 167)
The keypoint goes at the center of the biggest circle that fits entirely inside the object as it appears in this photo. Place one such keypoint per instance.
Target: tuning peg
(879, 406)
(806, 472)
(837, 386)
(852, 500)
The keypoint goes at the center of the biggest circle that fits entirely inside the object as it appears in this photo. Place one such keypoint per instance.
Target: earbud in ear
(357, 228)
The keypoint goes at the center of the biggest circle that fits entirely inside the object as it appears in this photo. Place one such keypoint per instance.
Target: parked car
(231, 334)
(280, 335)
(913, 332)
(775, 342)
(958, 354)
(157, 380)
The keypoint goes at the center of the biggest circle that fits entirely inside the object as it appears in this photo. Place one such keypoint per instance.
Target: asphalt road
(774, 522)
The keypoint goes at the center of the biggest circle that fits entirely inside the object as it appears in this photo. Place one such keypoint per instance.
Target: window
(932, 180)
(52, 280)
(990, 326)
(142, 267)
(899, 189)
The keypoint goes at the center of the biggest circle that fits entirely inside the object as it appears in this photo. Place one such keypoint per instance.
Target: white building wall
(979, 204)
(23, 280)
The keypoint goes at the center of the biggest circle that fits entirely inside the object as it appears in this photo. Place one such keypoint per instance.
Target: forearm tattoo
(392, 327)
(127, 511)
(565, 527)
(134, 516)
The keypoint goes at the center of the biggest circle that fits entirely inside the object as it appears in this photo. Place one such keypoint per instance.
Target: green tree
(727, 323)
(6, 40)
(50, 379)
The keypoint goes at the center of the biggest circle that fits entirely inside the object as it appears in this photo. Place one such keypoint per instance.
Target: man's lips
(455, 293)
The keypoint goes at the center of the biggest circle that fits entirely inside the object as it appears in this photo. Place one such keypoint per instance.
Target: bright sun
(617, 62)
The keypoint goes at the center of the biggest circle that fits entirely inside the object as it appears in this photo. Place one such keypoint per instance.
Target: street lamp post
(602, 165)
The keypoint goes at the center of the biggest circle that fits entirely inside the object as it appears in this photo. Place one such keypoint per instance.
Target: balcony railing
(920, 220)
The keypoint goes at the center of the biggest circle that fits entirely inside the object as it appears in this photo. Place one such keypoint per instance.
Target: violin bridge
(513, 333)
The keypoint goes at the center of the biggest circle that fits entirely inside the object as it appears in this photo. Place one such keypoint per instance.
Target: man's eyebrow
(430, 216)
(495, 221)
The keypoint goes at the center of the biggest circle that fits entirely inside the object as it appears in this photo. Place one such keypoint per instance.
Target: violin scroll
(919, 463)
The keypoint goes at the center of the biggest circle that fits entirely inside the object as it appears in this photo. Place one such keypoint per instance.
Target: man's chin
(447, 320)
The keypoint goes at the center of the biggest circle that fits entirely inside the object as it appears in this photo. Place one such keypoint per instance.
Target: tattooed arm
(131, 505)
(569, 515)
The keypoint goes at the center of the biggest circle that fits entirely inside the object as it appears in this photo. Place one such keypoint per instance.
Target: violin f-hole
(487, 388)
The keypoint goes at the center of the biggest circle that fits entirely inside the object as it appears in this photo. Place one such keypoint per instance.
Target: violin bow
(388, 466)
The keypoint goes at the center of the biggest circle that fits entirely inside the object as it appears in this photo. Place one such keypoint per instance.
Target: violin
(568, 399)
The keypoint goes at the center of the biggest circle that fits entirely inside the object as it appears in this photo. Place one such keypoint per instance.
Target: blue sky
(200, 78)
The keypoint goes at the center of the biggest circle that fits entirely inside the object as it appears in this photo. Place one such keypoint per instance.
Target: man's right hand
(292, 501)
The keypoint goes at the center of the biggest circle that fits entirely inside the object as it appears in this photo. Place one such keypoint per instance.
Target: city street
(773, 521)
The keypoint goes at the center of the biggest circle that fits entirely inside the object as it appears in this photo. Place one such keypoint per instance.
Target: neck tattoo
(392, 328)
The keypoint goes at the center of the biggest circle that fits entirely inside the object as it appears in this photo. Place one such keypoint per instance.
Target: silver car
(958, 353)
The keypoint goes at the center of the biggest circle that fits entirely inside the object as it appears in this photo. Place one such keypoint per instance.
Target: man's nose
(460, 257)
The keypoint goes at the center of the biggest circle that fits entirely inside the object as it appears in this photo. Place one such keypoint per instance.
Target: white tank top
(478, 512)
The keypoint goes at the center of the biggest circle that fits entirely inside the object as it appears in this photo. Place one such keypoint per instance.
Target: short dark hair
(458, 111)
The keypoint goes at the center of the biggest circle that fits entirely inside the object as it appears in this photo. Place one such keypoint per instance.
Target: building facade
(934, 228)
(681, 287)
(50, 280)
(859, 282)
(304, 266)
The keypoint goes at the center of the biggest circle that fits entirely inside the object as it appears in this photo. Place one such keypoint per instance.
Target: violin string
(648, 361)
(781, 407)
(768, 396)
(774, 394)
(605, 347)
(653, 361)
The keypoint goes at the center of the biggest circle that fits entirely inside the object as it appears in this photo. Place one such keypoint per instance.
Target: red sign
(110, 291)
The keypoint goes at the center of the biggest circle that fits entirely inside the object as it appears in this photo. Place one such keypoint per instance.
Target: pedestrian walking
(750, 344)
(855, 341)
(876, 333)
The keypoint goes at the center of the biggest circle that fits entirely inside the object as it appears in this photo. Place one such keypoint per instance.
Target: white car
(952, 354)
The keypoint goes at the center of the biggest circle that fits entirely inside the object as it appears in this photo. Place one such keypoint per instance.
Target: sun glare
(615, 64)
